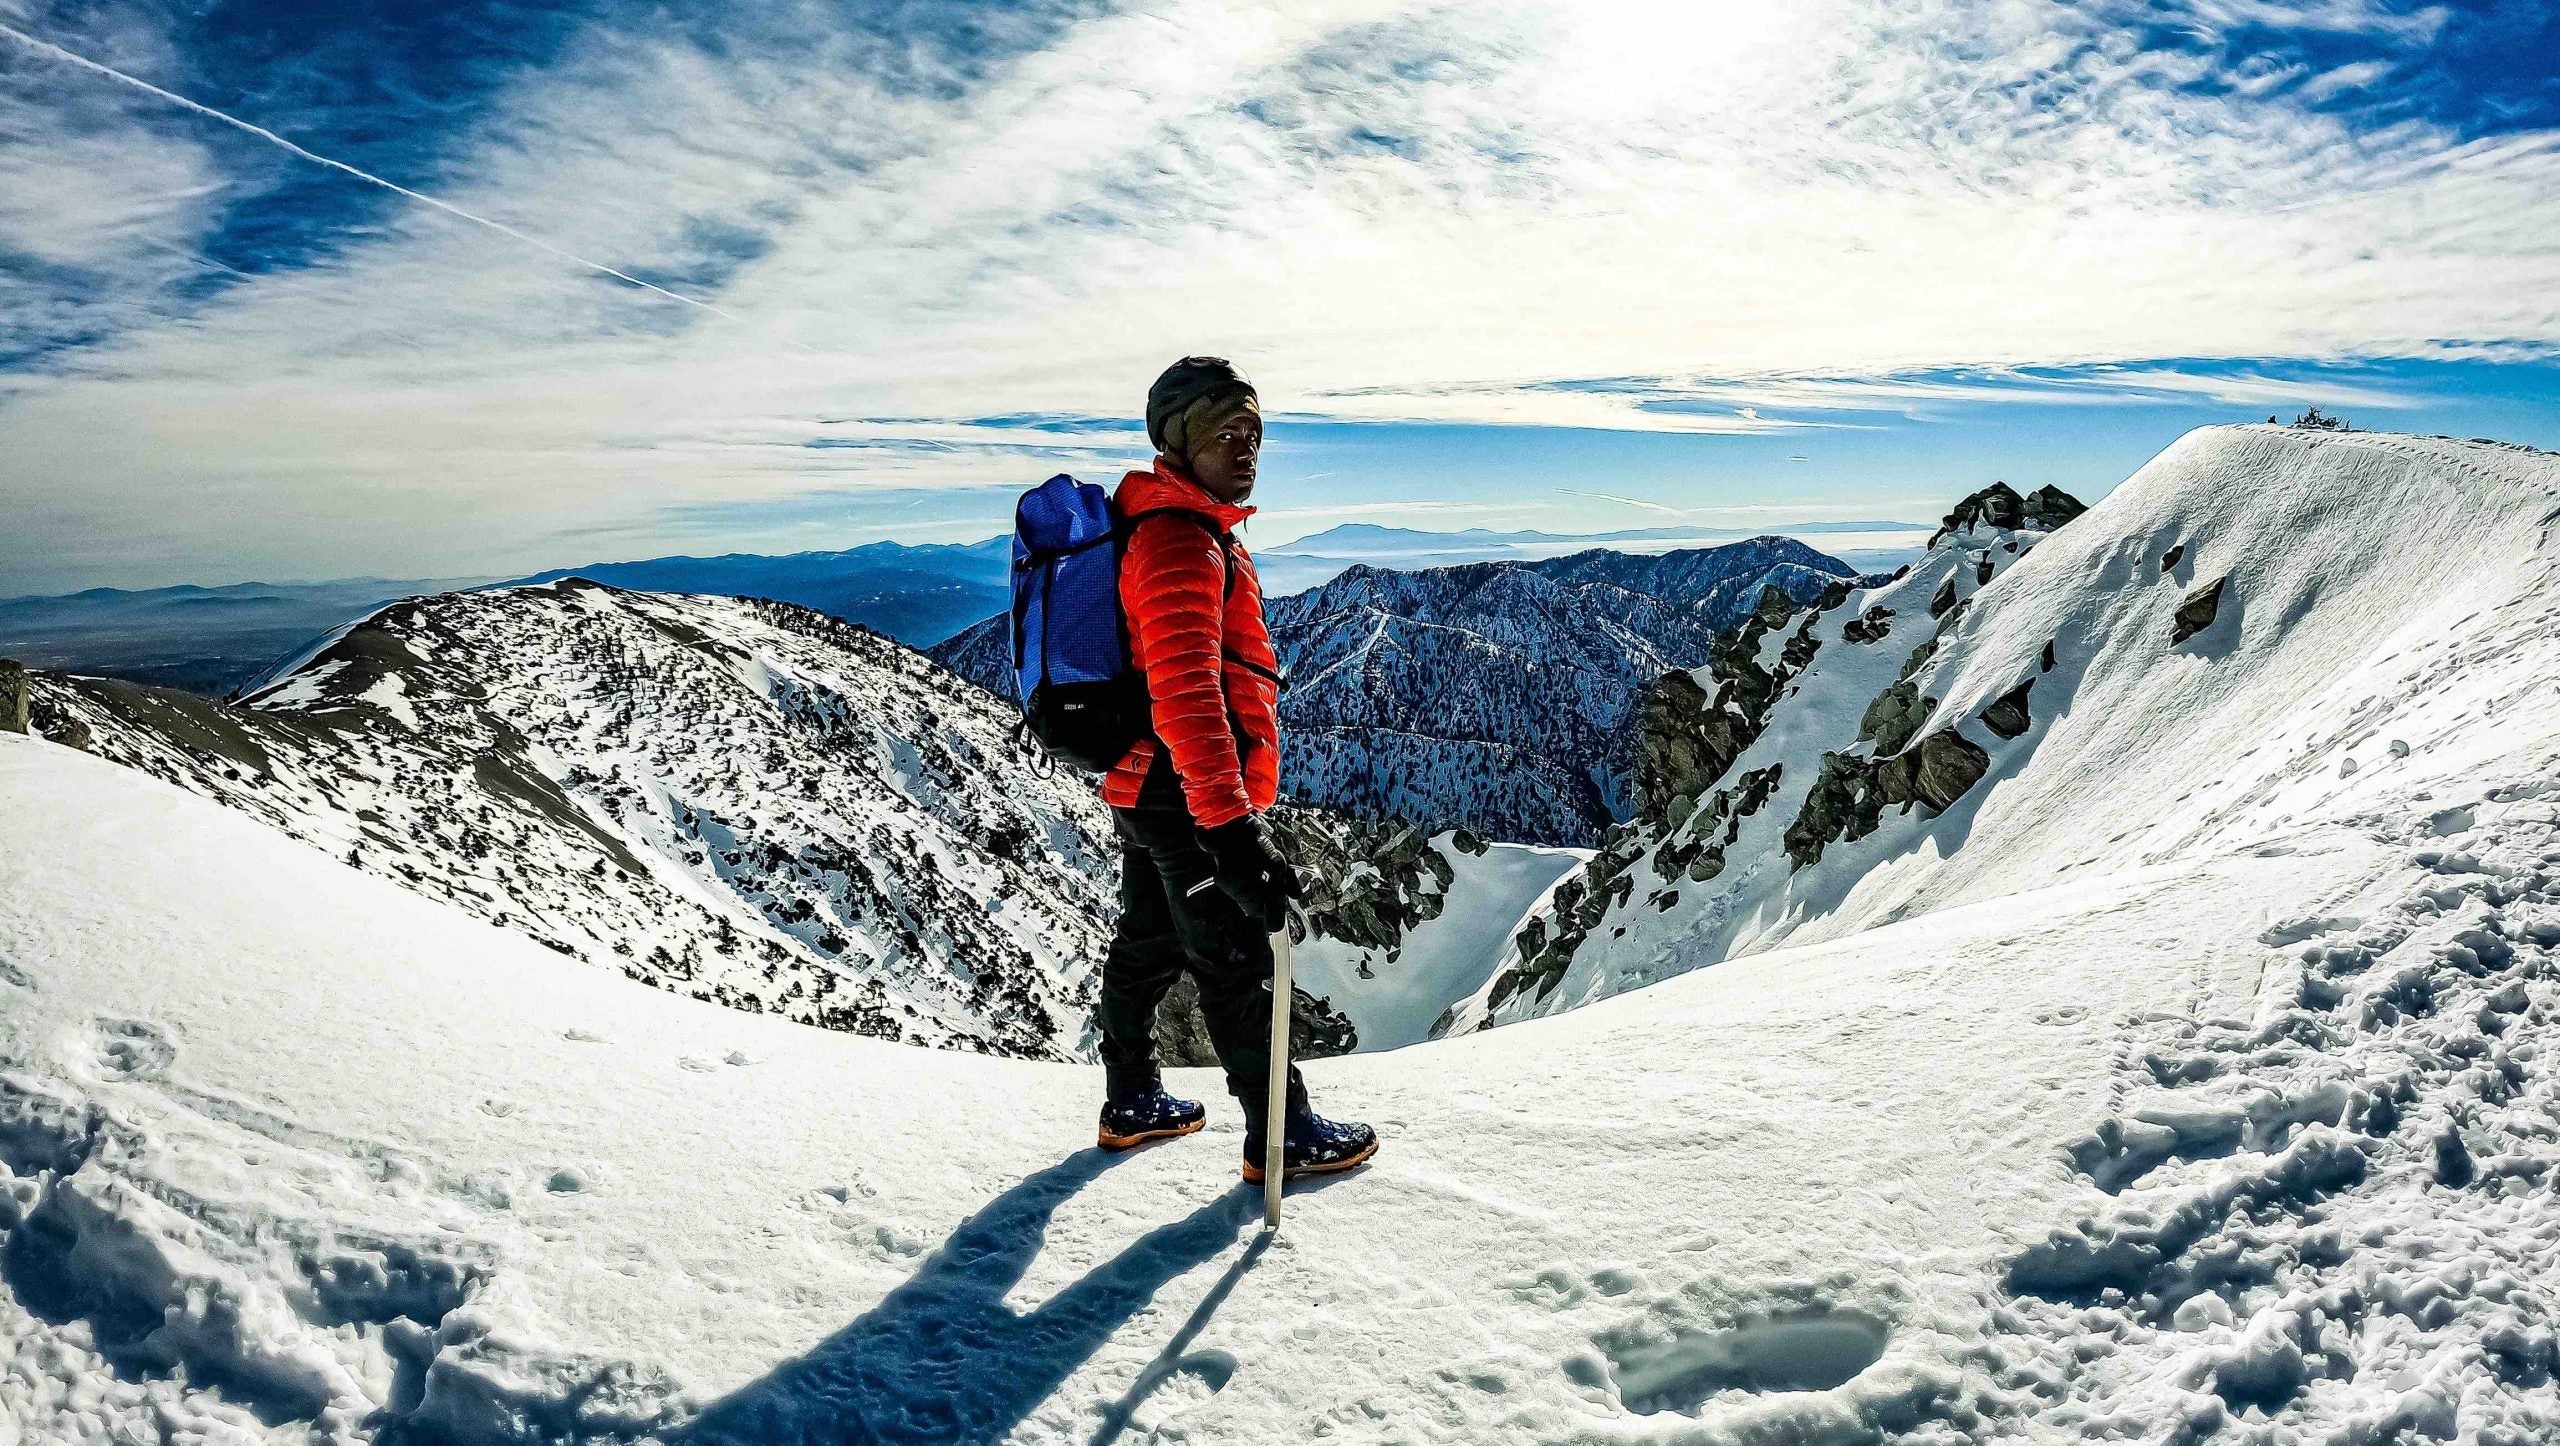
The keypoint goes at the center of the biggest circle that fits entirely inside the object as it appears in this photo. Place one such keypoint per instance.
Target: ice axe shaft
(1276, 1111)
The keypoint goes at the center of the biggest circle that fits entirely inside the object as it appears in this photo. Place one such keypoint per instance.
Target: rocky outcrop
(1369, 884)
(2049, 507)
(1690, 738)
(1998, 507)
(2197, 611)
(1706, 819)
(1317, 1030)
(1895, 717)
(2007, 715)
(1686, 737)
(1578, 906)
(69, 732)
(1843, 804)
(1946, 765)
(1681, 744)
(1847, 802)
(28, 705)
(1870, 626)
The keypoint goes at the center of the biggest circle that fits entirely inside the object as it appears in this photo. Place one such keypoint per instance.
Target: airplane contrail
(317, 159)
(1682, 513)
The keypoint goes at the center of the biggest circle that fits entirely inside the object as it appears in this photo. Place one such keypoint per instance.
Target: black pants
(1173, 918)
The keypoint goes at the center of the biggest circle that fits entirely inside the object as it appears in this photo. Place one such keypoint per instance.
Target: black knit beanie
(1193, 391)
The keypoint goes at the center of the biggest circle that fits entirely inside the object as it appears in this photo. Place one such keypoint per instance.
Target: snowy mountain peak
(2206, 658)
(741, 800)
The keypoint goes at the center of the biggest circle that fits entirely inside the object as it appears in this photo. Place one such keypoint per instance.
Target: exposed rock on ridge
(1698, 789)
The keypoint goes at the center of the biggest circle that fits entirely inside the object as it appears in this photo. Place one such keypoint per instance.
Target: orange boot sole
(1110, 1141)
(1253, 1170)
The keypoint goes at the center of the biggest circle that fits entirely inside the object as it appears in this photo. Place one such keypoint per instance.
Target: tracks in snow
(2337, 1221)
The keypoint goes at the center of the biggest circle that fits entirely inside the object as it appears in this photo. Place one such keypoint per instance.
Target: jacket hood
(1166, 486)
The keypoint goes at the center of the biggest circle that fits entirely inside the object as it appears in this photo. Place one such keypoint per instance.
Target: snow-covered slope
(742, 801)
(1402, 926)
(2259, 1141)
(2262, 630)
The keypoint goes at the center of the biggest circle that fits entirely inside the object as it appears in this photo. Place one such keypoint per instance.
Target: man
(1203, 885)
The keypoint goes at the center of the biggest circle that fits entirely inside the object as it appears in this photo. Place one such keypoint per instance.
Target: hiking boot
(1155, 1115)
(1313, 1146)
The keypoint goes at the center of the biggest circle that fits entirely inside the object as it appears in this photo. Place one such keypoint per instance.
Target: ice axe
(1275, 1111)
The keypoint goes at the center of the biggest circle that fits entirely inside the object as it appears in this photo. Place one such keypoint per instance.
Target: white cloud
(1385, 210)
(2339, 80)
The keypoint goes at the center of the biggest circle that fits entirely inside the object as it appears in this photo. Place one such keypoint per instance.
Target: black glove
(1250, 868)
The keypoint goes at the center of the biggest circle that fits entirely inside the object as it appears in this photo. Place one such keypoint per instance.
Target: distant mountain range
(917, 594)
(1318, 558)
(213, 640)
(1491, 696)
(202, 639)
(1367, 539)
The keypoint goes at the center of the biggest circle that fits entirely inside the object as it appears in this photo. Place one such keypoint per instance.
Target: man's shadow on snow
(943, 1359)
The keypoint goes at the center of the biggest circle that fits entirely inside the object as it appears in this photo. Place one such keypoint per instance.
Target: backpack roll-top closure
(1059, 530)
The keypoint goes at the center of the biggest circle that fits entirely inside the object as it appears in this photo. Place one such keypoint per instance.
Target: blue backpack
(1080, 694)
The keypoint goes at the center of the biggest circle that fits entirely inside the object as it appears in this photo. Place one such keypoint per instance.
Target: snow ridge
(2021, 705)
(744, 801)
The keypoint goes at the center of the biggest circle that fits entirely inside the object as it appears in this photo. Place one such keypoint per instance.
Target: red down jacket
(1213, 683)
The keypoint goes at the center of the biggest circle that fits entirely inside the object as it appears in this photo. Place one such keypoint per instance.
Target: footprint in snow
(2296, 931)
(887, 1243)
(131, 1048)
(1166, 1392)
(1806, 1350)
(581, 1036)
(696, 1063)
(855, 1186)
(1554, 1288)
(10, 973)
(1614, 1281)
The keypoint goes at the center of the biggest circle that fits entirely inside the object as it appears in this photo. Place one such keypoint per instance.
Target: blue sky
(1575, 265)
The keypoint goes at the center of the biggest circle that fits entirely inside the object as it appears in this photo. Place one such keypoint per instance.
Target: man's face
(1224, 466)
